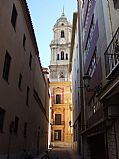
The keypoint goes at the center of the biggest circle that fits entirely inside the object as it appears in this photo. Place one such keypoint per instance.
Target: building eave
(29, 24)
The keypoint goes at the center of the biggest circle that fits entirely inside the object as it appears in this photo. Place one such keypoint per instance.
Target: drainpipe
(81, 76)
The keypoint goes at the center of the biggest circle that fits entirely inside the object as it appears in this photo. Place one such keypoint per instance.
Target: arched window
(62, 55)
(62, 34)
(57, 56)
(66, 56)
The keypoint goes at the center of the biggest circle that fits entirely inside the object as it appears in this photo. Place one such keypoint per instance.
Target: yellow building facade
(61, 113)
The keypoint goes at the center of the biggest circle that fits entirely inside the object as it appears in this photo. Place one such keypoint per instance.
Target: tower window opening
(62, 34)
(57, 56)
(66, 56)
(62, 55)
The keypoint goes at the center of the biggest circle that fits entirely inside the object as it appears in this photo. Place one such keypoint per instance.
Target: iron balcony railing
(58, 122)
(112, 56)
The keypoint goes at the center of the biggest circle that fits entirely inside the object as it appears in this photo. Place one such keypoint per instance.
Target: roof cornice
(29, 23)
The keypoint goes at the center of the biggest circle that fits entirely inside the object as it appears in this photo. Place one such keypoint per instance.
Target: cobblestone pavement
(63, 153)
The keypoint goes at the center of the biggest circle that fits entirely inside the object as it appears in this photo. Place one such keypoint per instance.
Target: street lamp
(87, 79)
(70, 123)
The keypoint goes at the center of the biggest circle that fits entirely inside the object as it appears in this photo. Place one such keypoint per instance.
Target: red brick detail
(53, 96)
(62, 95)
(63, 135)
(63, 115)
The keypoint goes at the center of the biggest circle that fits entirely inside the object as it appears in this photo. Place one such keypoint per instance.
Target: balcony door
(58, 119)
(58, 99)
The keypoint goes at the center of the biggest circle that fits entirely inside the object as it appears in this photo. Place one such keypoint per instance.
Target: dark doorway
(97, 147)
(57, 135)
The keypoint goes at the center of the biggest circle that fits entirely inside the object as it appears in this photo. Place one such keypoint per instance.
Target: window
(6, 66)
(24, 41)
(87, 12)
(58, 99)
(2, 115)
(14, 16)
(116, 4)
(58, 119)
(16, 125)
(62, 55)
(25, 129)
(66, 56)
(30, 60)
(62, 34)
(90, 35)
(27, 96)
(57, 56)
(20, 80)
(92, 65)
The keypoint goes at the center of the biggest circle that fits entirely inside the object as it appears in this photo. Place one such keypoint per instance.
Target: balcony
(89, 18)
(85, 10)
(112, 57)
(58, 122)
(95, 80)
(93, 43)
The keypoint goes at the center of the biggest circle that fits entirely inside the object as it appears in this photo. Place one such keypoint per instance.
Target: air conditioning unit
(113, 111)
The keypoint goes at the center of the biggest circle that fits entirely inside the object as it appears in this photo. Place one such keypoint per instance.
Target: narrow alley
(63, 153)
(69, 108)
(59, 153)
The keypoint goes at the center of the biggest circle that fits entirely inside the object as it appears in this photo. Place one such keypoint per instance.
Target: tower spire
(63, 11)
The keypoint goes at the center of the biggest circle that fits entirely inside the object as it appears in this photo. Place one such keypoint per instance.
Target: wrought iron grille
(112, 54)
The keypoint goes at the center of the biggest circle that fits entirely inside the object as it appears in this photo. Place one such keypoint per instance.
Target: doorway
(97, 147)
(57, 135)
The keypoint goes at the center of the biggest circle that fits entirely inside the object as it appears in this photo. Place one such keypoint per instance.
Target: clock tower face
(62, 40)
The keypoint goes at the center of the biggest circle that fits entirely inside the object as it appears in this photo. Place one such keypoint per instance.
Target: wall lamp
(70, 124)
(86, 79)
(74, 125)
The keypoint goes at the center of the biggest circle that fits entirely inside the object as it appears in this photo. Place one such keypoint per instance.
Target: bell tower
(60, 49)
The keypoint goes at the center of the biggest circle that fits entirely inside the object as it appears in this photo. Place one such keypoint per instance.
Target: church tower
(60, 50)
(60, 84)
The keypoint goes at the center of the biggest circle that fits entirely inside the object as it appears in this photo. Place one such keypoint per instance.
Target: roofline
(29, 24)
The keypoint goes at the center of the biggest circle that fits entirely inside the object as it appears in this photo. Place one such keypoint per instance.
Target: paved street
(63, 153)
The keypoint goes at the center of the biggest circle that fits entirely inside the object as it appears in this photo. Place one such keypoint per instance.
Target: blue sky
(44, 14)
